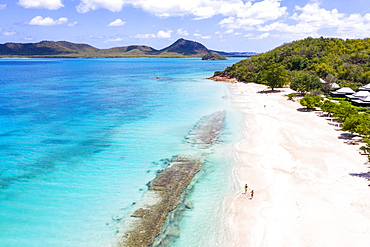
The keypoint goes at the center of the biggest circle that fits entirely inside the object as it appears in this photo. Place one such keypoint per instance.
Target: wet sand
(307, 181)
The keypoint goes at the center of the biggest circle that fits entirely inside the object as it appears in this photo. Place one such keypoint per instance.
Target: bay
(81, 138)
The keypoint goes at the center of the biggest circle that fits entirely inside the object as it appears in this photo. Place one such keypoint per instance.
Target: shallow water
(80, 139)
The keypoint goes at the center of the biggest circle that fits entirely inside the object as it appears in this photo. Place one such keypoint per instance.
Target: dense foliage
(275, 76)
(303, 81)
(310, 101)
(347, 60)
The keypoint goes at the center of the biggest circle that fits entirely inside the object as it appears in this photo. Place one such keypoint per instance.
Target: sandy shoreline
(300, 171)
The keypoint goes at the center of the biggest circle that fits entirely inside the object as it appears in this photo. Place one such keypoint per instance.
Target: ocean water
(81, 138)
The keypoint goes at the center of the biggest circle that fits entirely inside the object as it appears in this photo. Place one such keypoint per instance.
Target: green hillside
(347, 60)
(46, 48)
(186, 48)
(134, 50)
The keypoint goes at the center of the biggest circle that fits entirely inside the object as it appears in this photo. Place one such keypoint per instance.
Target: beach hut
(342, 92)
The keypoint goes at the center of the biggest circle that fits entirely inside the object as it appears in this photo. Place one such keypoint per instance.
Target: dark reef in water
(166, 192)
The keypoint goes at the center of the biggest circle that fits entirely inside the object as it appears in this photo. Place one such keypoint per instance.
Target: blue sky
(228, 25)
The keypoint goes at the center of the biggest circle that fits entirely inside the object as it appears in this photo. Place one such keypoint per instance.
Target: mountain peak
(186, 47)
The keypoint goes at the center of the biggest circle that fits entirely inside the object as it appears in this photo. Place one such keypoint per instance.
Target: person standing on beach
(252, 194)
(246, 188)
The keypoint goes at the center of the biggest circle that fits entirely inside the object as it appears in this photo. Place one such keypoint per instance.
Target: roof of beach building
(362, 101)
(344, 90)
(359, 94)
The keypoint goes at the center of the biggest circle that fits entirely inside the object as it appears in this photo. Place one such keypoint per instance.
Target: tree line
(346, 62)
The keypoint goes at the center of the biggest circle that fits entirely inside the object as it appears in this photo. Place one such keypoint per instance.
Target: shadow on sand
(365, 175)
(346, 136)
(269, 91)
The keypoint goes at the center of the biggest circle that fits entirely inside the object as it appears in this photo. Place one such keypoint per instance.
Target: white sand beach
(300, 171)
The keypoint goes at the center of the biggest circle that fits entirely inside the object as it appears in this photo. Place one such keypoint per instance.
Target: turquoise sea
(81, 138)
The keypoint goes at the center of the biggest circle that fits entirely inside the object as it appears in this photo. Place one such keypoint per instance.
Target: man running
(252, 194)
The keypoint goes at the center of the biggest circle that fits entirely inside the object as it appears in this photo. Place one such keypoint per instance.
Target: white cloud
(112, 5)
(160, 35)
(204, 12)
(182, 32)
(311, 20)
(250, 14)
(113, 40)
(202, 36)
(72, 24)
(200, 9)
(39, 4)
(235, 23)
(11, 33)
(321, 18)
(248, 35)
(47, 21)
(354, 26)
(219, 34)
(145, 36)
(2, 6)
(116, 23)
(164, 34)
(300, 28)
(262, 36)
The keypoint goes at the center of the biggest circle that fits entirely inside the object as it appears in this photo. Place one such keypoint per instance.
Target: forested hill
(347, 60)
(180, 48)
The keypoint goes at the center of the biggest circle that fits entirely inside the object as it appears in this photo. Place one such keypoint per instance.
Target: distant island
(64, 49)
(213, 56)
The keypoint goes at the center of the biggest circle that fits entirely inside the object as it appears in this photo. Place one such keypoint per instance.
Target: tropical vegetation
(336, 60)
(302, 63)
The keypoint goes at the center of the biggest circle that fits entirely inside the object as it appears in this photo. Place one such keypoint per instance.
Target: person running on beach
(252, 194)
(246, 189)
